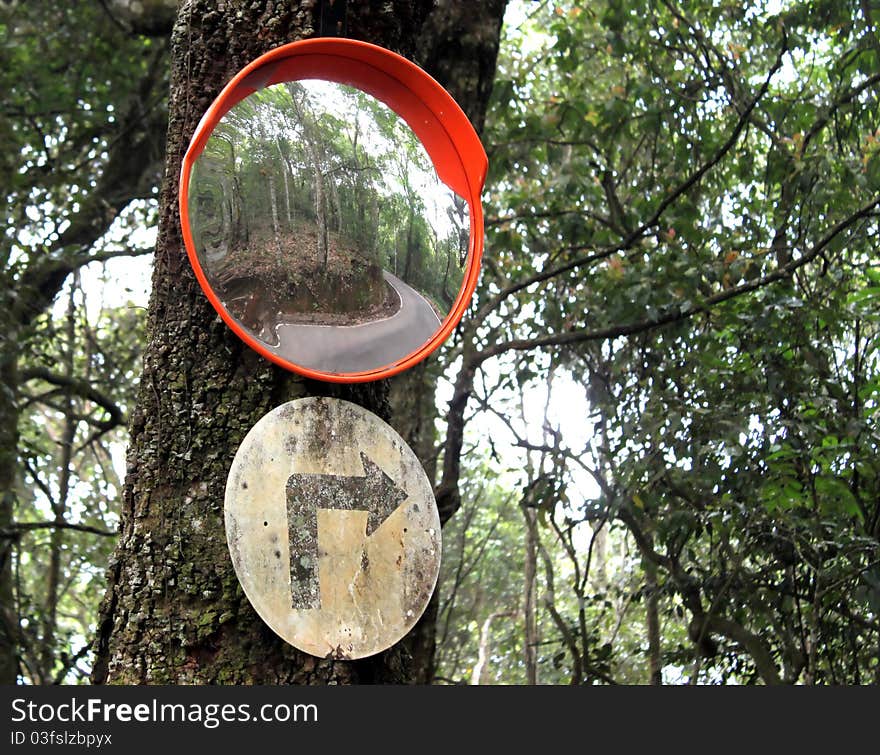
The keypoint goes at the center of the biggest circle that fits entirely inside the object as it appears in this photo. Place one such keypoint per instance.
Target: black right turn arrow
(375, 493)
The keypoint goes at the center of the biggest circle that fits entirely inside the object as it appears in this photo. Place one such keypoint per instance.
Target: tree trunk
(599, 562)
(448, 298)
(9, 632)
(273, 200)
(237, 234)
(59, 504)
(480, 673)
(407, 267)
(530, 589)
(285, 169)
(652, 610)
(174, 611)
(313, 147)
(335, 206)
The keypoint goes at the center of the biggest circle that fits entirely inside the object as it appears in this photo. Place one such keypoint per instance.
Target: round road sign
(332, 528)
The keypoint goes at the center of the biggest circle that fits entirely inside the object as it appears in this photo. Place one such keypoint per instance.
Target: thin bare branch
(17, 529)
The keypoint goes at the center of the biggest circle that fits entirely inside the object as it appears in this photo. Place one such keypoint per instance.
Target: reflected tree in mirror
(323, 228)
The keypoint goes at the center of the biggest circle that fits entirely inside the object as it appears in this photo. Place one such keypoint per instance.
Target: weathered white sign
(332, 528)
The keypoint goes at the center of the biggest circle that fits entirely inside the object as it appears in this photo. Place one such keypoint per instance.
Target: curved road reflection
(356, 348)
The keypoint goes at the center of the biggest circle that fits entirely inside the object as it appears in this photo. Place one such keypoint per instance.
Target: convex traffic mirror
(330, 206)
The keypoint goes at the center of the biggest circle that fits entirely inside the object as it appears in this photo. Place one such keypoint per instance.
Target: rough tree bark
(174, 612)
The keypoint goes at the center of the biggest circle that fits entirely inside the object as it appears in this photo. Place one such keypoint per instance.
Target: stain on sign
(332, 528)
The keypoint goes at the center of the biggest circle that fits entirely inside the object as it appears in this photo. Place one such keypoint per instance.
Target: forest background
(654, 435)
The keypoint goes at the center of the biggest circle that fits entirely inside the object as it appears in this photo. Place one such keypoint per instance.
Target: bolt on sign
(332, 528)
(330, 208)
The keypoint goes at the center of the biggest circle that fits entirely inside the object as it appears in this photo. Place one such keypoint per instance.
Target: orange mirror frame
(436, 119)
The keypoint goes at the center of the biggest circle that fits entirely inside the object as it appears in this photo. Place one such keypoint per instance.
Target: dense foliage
(685, 201)
(83, 116)
(659, 457)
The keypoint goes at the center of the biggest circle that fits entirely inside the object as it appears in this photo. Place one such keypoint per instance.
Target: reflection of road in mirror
(367, 346)
(323, 228)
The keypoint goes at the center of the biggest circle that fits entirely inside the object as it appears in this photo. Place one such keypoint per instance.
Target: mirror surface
(323, 229)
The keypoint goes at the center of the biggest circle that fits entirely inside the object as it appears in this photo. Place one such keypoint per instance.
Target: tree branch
(845, 98)
(664, 204)
(135, 155)
(709, 622)
(675, 314)
(751, 643)
(81, 388)
(69, 663)
(18, 528)
(154, 18)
